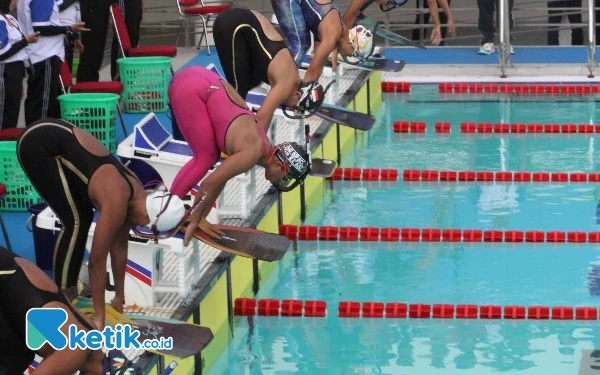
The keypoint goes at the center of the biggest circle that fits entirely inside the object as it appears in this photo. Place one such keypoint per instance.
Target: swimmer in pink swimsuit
(213, 118)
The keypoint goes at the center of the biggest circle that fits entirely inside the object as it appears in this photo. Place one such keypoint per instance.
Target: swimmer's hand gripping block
(188, 339)
(245, 242)
(346, 117)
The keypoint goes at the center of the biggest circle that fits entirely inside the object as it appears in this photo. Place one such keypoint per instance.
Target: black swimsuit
(244, 50)
(17, 296)
(60, 169)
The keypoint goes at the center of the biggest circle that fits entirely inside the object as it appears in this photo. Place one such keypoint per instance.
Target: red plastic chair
(125, 41)
(188, 8)
(105, 87)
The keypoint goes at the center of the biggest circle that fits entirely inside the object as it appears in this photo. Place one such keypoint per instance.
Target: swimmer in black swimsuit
(24, 286)
(250, 51)
(74, 173)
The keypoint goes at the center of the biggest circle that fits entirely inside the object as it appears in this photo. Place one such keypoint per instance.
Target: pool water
(523, 274)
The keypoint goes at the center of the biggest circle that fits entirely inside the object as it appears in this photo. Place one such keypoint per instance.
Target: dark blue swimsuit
(299, 18)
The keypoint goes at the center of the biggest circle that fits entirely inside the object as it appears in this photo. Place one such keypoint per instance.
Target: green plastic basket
(94, 113)
(145, 83)
(20, 194)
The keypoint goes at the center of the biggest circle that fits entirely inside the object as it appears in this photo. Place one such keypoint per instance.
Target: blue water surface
(523, 274)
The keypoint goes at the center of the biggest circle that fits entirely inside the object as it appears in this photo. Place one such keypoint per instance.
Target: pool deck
(460, 64)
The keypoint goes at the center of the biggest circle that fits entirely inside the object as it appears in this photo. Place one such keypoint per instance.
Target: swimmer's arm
(434, 10)
(446, 8)
(353, 11)
(118, 262)
(322, 52)
(273, 100)
(111, 219)
(236, 164)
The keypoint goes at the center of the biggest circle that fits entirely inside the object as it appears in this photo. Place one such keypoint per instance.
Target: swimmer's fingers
(436, 36)
(209, 229)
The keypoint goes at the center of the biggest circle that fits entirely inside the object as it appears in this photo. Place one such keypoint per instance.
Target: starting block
(151, 143)
(145, 263)
(327, 69)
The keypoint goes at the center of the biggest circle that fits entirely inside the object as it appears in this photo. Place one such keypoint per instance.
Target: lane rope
(353, 309)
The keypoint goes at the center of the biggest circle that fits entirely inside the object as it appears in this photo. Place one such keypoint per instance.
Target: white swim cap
(164, 209)
(361, 40)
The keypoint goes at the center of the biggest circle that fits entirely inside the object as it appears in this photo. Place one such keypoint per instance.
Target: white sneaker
(486, 49)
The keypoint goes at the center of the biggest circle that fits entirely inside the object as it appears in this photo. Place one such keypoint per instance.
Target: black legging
(486, 18)
(132, 13)
(426, 17)
(556, 17)
(95, 14)
(50, 159)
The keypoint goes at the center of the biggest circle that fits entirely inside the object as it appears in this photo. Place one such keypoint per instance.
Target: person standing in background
(95, 14)
(13, 57)
(132, 11)
(47, 56)
(486, 24)
(442, 19)
(555, 16)
(70, 13)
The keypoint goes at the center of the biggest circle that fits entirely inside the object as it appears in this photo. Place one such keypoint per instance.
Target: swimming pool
(526, 274)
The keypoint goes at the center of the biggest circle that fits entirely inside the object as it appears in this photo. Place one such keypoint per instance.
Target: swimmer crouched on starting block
(213, 118)
(74, 173)
(250, 51)
(299, 18)
(24, 286)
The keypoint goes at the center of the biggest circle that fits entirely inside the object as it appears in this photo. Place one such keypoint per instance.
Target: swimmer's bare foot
(70, 293)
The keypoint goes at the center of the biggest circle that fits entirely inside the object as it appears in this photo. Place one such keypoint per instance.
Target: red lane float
(390, 235)
(442, 127)
(349, 234)
(349, 309)
(370, 174)
(291, 307)
(419, 310)
(444, 311)
(518, 128)
(371, 309)
(396, 310)
(328, 233)
(290, 231)
(315, 308)
(268, 307)
(244, 307)
(393, 87)
(466, 311)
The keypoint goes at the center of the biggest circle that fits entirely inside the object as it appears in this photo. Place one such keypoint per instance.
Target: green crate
(20, 194)
(94, 113)
(145, 83)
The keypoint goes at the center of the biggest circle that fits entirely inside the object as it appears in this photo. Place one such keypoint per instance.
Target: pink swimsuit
(204, 113)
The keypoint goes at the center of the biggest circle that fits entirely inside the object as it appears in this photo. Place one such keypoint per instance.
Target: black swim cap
(295, 158)
(312, 96)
